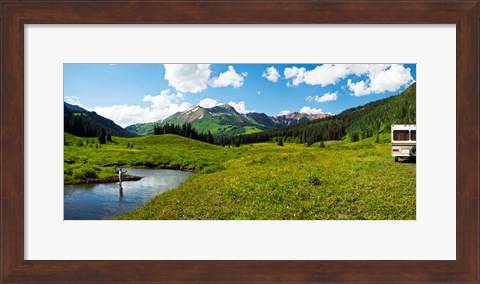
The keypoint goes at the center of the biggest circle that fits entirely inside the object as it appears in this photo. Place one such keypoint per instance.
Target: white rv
(404, 141)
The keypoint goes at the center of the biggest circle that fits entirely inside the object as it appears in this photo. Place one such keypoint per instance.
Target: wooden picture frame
(465, 14)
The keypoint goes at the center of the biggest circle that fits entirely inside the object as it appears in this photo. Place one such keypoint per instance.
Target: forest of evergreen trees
(358, 123)
(79, 126)
(82, 123)
(185, 130)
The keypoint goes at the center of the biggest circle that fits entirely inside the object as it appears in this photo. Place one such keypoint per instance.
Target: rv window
(401, 135)
(413, 135)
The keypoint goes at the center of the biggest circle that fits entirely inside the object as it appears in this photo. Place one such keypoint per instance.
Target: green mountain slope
(365, 121)
(142, 129)
(220, 120)
(354, 124)
(224, 120)
(80, 122)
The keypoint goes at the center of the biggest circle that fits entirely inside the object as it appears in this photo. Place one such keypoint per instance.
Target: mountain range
(224, 120)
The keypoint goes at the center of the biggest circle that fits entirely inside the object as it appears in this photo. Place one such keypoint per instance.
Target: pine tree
(101, 137)
(210, 137)
(322, 145)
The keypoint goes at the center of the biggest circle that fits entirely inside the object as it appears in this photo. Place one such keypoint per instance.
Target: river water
(104, 201)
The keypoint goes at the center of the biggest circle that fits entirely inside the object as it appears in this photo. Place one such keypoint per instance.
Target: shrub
(314, 179)
(83, 173)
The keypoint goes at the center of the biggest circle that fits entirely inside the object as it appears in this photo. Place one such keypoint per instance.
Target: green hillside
(85, 158)
(142, 129)
(80, 122)
(353, 124)
(367, 120)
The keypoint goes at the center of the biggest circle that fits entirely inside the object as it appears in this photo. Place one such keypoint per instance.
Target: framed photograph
(231, 141)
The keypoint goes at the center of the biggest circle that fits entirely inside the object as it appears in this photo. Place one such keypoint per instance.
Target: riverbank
(151, 152)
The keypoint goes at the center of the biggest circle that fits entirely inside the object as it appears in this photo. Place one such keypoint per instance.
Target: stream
(104, 201)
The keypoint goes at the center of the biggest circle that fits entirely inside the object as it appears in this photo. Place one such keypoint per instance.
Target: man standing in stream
(120, 177)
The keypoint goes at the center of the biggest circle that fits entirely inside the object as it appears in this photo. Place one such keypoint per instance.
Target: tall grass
(342, 181)
(84, 156)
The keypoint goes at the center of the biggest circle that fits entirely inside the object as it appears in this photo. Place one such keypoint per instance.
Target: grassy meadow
(264, 181)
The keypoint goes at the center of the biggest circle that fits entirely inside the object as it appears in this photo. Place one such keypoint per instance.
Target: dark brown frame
(465, 14)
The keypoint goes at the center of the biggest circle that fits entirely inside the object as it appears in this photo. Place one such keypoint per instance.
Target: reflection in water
(120, 190)
(108, 200)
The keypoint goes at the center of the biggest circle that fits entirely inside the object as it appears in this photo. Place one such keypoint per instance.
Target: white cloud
(327, 97)
(123, 115)
(309, 110)
(382, 78)
(374, 69)
(240, 107)
(258, 93)
(271, 74)
(292, 72)
(359, 69)
(164, 99)
(326, 74)
(284, 112)
(188, 78)
(359, 88)
(208, 103)
(391, 79)
(73, 100)
(322, 75)
(161, 107)
(296, 73)
(228, 78)
(362, 69)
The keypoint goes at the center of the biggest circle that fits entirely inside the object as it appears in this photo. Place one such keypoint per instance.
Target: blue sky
(137, 93)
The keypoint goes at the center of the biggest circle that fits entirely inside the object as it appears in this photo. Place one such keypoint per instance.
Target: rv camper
(404, 141)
